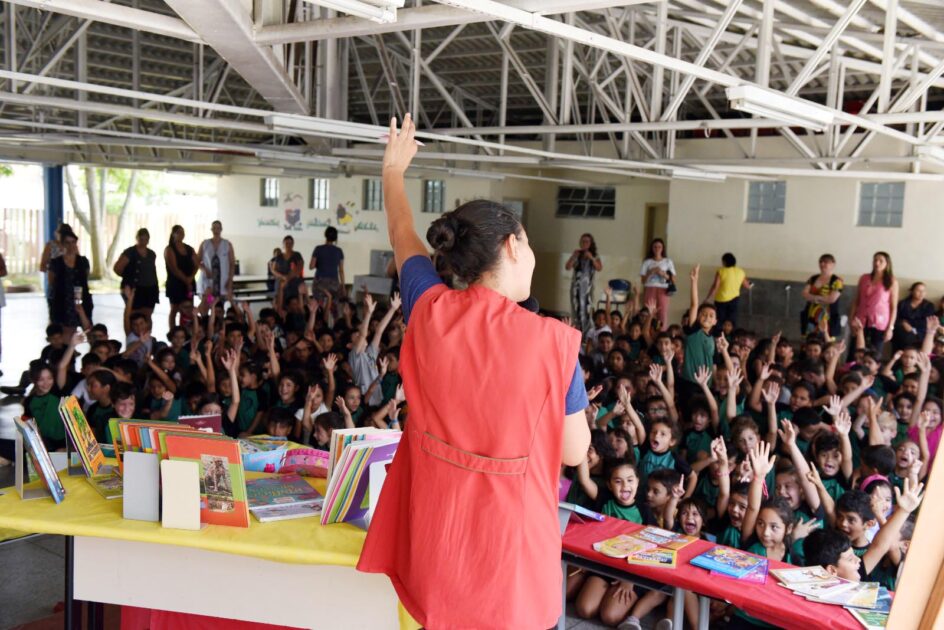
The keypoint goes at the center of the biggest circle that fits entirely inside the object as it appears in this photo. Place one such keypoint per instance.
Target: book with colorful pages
(81, 435)
(309, 462)
(346, 498)
(223, 498)
(657, 557)
(286, 512)
(664, 538)
(280, 490)
(209, 423)
(342, 437)
(870, 619)
(622, 546)
(39, 457)
(802, 575)
(728, 561)
(755, 576)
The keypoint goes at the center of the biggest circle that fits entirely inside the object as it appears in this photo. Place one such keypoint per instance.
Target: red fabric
(147, 619)
(769, 602)
(467, 526)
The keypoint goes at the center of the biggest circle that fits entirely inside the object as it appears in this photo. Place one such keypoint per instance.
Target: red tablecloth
(769, 602)
(147, 619)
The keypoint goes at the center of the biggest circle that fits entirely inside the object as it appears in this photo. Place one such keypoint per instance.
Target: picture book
(180, 494)
(222, 480)
(856, 595)
(664, 538)
(212, 423)
(109, 485)
(308, 462)
(870, 619)
(802, 575)
(825, 589)
(342, 437)
(756, 576)
(280, 490)
(622, 546)
(81, 435)
(287, 512)
(39, 457)
(657, 557)
(727, 561)
(346, 498)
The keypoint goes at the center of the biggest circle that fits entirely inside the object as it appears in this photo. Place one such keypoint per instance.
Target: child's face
(910, 386)
(813, 351)
(168, 362)
(226, 387)
(157, 388)
(140, 326)
(211, 409)
(125, 408)
(278, 430)
(707, 319)
(721, 379)
(691, 520)
(95, 336)
(852, 525)
(870, 365)
(96, 390)
(321, 436)
(660, 438)
(599, 320)
(903, 406)
(615, 320)
(909, 359)
(103, 352)
(881, 500)
(848, 566)
(352, 398)
(664, 346)
(593, 458)
(287, 390)
(44, 381)
(747, 439)
(808, 432)
(737, 508)
(615, 362)
(829, 462)
(657, 410)
(699, 420)
(934, 414)
(657, 495)
(770, 528)
(247, 379)
(889, 430)
(907, 454)
(623, 483)
(799, 398)
(620, 447)
(178, 339)
(789, 488)
(55, 339)
(327, 342)
(635, 331)
(605, 344)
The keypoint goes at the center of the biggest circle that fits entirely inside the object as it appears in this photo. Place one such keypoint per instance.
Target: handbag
(671, 289)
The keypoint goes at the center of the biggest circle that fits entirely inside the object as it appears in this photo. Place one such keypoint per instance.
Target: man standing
(218, 263)
(328, 262)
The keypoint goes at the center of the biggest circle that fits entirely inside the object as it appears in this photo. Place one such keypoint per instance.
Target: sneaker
(631, 623)
(665, 624)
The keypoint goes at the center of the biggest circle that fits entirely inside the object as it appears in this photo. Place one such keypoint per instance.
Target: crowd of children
(812, 454)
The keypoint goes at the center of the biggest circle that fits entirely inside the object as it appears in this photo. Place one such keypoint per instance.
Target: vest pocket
(470, 461)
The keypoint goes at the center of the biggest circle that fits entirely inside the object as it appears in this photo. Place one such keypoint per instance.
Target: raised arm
(401, 147)
(231, 363)
(693, 304)
(714, 286)
(720, 452)
(369, 306)
(734, 382)
(843, 424)
(761, 463)
(382, 326)
(62, 372)
(702, 374)
(907, 501)
(788, 438)
(655, 375)
(924, 364)
(927, 344)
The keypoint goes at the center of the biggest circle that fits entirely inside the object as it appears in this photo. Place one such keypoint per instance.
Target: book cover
(180, 494)
(622, 546)
(309, 462)
(664, 538)
(81, 435)
(802, 575)
(211, 423)
(286, 512)
(870, 619)
(108, 485)
(727, 561)
(222, 481)
(142, 483)
(825, 589)
(40, 459)
(664, 558)
(346, 498)
(281, 490)
(856, 595)
(756, 576)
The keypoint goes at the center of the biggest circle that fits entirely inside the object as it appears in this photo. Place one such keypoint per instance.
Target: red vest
(466, 527)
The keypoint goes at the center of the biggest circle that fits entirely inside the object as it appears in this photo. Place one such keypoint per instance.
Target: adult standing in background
(876, 301)
(218, 263)
(658, 275)
(137, 267)
(912, 321)
(727, 285)
(328, 262)
(287, 268)
(822, 293)
(182, 265)
(68, 277)
(52, 250)
(585, 263)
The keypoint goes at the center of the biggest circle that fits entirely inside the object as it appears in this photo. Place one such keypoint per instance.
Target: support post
(53, 190)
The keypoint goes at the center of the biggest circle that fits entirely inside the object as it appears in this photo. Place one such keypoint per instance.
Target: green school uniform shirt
(759, 550)
(834, 487)
(651, 461)
(45, 410)
(629, 513)
(707, 491)
(174, 412)
(696, 442)
(699, 352)
(247, 410)
(577, 495)
(730, 536)
(98, 418)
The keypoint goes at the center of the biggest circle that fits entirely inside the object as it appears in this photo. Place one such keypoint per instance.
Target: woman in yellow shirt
(727, 285)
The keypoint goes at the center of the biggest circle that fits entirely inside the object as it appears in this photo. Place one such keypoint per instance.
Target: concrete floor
(34, 568)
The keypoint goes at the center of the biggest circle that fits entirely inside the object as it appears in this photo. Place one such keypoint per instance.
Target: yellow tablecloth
(84, 512)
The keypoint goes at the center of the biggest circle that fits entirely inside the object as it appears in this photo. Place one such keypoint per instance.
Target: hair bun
(443, 233)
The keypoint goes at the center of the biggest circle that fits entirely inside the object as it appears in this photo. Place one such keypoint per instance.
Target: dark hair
(121, 391)
(99, 328)
(665, 250)
(806, 417)
(781, 506)
(295, 377)
(673, 428)
(593, 243)
(915, 286)
(288, 237)
(37, 367)
(142, 232)
(875, 483)
(331, 233)
(823, 442)
(329, 421)
(740, 487)
(888, 276)
(824, 546)
(828, 258)
(669, 478)
(53, 329)
(469, 239)
(105, 378)
(699, 504)
(600, 444)
(612, 464)
(880, 458)
(90, 359)
(808, 386)
(856, 502)
(728, 260)
(170, 240)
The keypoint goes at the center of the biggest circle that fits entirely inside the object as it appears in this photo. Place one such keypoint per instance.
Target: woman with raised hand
(467, 525)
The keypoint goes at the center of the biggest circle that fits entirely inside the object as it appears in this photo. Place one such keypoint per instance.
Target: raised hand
(369, 305)
(619, 409)
(924, 362)
(313, 392)
(762, 462)
(787, 432)
(771, 393)
(843, 422)
(78, 337)
(776, 338)
(167, 396)
(608, 291)
(693, 274)
(803, 528)
(400, 396)
(812, 475)
(655, 372)
(624, 396)
(702, 374)
(395, 301)
(834, 406)
(651, 306)
(719, 453)
(593, 392)
(735, 378)
(342, 406)
(330, 362)
(721, 343)
(924, 421)
(401, 146)
(909, 497)
(229, 359)
(383, 362)
(765, 372)
(679, 491)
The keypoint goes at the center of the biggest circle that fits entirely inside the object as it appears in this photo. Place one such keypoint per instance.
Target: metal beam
(825, 46)
(764, 44)
(888, 55)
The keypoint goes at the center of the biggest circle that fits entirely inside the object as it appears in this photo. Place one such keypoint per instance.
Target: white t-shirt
(666, 265)
(300, 414)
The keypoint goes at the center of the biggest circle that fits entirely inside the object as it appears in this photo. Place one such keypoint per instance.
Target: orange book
(222, 480)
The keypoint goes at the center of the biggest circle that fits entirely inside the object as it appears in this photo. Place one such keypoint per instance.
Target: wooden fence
(21, 238)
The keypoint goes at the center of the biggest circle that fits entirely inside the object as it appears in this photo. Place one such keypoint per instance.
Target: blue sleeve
(416, 276)
(576, 393)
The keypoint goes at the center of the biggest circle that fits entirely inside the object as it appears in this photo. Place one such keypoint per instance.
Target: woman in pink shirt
(875, 301)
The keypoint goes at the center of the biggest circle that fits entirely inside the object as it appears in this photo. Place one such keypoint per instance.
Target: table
(769, 602)
(296, 573)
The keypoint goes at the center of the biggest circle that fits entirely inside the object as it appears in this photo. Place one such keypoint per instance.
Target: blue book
(728, 561)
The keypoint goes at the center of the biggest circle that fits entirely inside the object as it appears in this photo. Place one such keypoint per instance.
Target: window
(373, 194)
(269, 191)
(586, 202)
(766, 202)
(881, 204)
(434, 192)
(318, 193)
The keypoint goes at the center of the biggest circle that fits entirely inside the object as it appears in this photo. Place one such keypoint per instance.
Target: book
(142, 487)
(755, 576)
(286, 512)
(727, 561)
(109, 485)
(346, 498)
(802, 575)
(825, 589)
(856, 595)
(180, 494)
(664, 538)
(39, 457)
(81, 435)
(211, 423)
(340, 438)
(264, 457)
(309, 462)
(222, 480)
(657, 557)
(622, 546)
(870, 619)
(280, 490)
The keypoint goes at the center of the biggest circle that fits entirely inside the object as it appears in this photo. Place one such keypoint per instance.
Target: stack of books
(868, 602)
(356, 456)
(282, 498)
(650, 546)
(728, 562)
(80, 435)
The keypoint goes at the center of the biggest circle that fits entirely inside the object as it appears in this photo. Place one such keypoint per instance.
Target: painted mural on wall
(346, 217)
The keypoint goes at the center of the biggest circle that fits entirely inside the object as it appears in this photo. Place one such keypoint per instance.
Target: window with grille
(269, 191)
(373, 194)
(434, 192)
(599, 203)
(766, 202)
(318, 193)
(881, 204)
